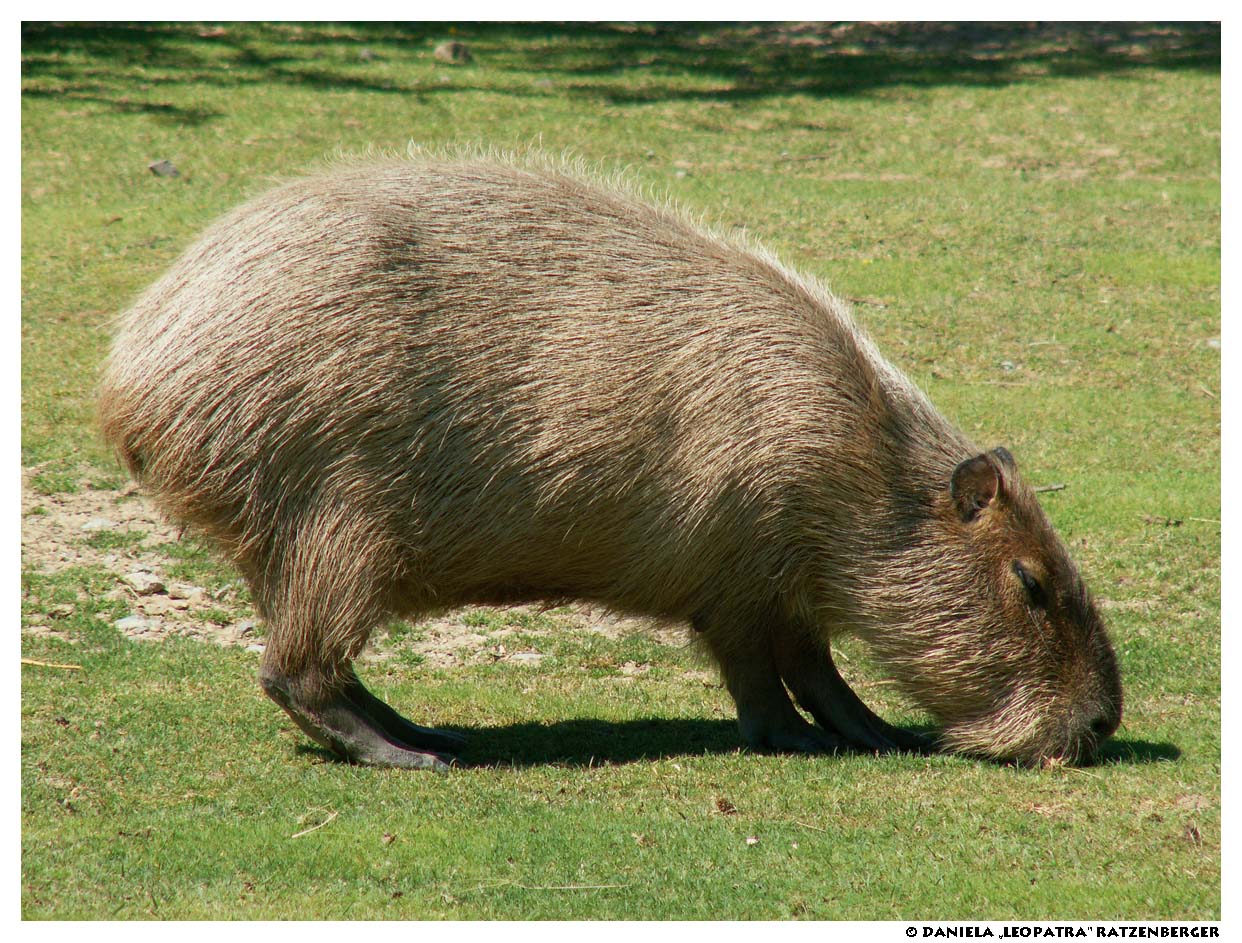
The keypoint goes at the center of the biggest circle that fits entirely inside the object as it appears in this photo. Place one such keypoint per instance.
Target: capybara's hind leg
(356, 725)
(326, 598)
(766, 718)
(805, 663)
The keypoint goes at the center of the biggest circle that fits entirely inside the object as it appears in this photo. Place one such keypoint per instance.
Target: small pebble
(144, 583)
(195, 594)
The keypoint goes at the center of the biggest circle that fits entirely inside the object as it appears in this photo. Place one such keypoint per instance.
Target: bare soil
(62, 531)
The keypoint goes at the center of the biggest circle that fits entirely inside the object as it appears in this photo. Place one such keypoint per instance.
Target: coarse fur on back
(408, 384)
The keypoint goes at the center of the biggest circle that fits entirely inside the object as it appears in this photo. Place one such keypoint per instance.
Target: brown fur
(412, 384)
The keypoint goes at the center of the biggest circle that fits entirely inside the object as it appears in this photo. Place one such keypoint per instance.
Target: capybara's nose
(1102, 726)
(1106, 725)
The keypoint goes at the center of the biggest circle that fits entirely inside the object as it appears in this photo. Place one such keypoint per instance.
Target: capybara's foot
(818, 687)
(834, 704)
(790, 737)
(360, 728)
(392, 722)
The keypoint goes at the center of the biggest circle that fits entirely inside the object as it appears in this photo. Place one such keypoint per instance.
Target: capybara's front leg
(354, 724)
(766, 718)
(805, 663)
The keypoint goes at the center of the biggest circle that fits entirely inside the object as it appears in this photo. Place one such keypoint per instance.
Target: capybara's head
(1002, 643)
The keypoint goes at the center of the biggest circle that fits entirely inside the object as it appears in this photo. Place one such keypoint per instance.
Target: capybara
(408, 384)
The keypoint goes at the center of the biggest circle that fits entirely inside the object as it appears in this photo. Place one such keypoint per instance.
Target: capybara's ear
(1006, 459)
(976, 483)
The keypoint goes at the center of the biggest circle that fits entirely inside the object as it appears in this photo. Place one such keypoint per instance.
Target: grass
(1028, 221)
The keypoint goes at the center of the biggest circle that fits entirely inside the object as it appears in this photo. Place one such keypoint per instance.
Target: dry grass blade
(571, 887)
(315, 828)
(814, 828)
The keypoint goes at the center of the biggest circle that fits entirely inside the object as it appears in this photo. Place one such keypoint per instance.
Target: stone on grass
(143, 582)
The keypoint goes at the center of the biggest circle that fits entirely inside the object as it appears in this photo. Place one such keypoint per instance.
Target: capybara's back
(413, 384)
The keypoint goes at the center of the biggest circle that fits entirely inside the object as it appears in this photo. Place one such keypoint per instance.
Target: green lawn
(1027, 220)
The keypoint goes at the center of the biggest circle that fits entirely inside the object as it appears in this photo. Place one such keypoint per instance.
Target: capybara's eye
(1034, 590)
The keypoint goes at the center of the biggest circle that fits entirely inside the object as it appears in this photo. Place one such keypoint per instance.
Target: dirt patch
(121, 532)
(56, 528)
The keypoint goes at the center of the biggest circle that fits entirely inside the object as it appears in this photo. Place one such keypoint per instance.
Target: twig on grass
(48, 664)
(1057, 487)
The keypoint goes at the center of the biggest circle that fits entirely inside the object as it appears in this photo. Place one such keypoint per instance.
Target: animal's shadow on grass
(589, 742)
(128, 65)
(586, 742)
(1134, 752)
